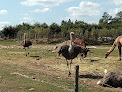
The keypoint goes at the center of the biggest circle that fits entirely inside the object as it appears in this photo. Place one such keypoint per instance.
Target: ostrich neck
(71, 40)
(71, 45)
(25, 38)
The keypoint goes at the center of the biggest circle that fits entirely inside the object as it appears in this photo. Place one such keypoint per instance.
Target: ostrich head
(71, 35)
(71, 38)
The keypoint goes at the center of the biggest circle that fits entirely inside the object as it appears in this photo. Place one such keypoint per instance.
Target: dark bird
(111, 79)
(71, 51)
(26, 43)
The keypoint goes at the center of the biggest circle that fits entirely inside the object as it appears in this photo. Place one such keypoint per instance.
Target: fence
(76, 78)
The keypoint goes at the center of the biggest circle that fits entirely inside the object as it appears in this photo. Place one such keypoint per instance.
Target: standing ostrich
(117, 42)
(26, 43)
(71, 51)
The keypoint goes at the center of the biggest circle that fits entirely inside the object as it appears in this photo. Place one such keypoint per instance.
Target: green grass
(8, 43)
(10, 59)
(20, 84)
(102, 52)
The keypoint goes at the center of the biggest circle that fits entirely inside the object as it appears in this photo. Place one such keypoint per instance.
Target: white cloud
(44, 3)
(3, 11)
(114, 11)
(41, 10)
(2, 24)
(85, 9)
(27, 19)
(117, 2)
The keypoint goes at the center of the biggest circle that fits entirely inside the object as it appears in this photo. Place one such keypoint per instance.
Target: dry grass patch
(50, 70)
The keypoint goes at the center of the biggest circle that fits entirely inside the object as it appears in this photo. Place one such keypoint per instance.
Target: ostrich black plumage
(71, 51)
(26, 43)
(70, 56)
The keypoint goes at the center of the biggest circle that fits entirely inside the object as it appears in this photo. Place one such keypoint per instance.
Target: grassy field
(41, 71)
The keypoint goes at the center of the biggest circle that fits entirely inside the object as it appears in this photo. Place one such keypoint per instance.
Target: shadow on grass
(90, 76)
(35, 56)
(93, 60)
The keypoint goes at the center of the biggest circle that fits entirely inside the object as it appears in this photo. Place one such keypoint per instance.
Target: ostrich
(117, 42)
(71, 51)
(111, 79)
(26, 43)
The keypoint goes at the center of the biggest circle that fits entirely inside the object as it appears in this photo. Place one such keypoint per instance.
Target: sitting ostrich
(26, 43)
(71, 51)
(111, 79)
(117, 42)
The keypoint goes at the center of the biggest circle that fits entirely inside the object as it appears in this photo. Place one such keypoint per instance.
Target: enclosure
(42, 71)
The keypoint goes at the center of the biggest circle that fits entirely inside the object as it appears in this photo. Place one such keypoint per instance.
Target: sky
(14, 12)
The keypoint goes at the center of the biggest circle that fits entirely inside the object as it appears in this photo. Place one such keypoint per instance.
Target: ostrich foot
(69, 74)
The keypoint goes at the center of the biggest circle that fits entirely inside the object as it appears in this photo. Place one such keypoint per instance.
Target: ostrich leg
(68, 68)
(25, 51)
(28, 51)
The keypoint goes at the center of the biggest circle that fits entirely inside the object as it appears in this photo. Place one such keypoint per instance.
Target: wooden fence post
(76, 78)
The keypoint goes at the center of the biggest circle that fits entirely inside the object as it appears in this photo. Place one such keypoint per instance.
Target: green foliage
(54, 28)
(105, 18)
(107, 27)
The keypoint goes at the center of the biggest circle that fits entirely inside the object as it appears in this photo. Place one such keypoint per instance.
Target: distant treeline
(104, 32)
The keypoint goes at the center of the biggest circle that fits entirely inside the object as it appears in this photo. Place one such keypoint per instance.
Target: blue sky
(14, 12)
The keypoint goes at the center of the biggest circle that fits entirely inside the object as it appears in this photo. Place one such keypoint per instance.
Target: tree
(95, 34)
(44, 25)
(10, 31)
(37, 24)
(55, 28)
(63, 23)
(119, 16)
(105, 18)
